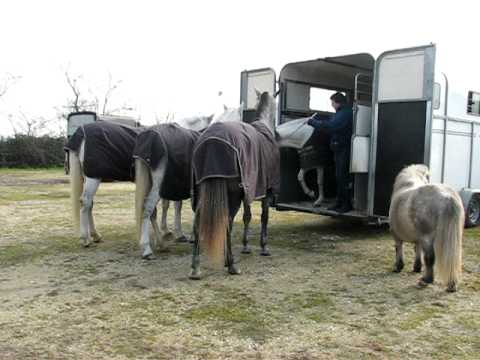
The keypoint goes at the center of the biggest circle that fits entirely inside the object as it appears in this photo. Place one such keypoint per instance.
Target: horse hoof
(97, 238)
(233, 270)
(421, 284)
(148, 257)
(417, 269)
(195, 275)
(265, 253)
(182, 240)
(246, 250)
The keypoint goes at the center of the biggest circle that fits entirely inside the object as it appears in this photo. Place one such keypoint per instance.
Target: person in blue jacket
(339, 127)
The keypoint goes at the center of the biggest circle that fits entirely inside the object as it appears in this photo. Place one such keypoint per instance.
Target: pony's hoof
(246, 250)
(148, 257)
(265, 252)
(451, 288)
(182, 240)
(417, 269)
(232, 270)
(195, 275)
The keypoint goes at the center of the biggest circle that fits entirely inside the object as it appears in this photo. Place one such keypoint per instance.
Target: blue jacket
(339, 126)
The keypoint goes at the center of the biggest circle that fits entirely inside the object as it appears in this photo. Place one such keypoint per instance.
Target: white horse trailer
(404, 113)
(77, 119)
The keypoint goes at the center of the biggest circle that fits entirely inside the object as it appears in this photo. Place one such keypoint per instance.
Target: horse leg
(399, 264)
(232, 269)
(319, 200)
(158, 242)
(417, 265)
(303, 184)
(96, 236)
(195, 273)
(263, 234)
(234, 202)
(179, 235)
(149, 209)
(429, 256)
(90, 188)
(247, 217)
(164, 226)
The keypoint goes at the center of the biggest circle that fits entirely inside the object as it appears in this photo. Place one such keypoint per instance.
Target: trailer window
(320, 99)
(473, 106)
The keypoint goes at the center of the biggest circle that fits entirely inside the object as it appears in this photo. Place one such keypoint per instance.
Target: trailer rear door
(402, 100)
(251, 80)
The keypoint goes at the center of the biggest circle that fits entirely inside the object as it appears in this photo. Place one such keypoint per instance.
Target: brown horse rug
(108, 149)
(237, 149)
(176, 143)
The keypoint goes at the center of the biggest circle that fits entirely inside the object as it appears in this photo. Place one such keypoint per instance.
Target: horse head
(266, 109)
(196, 123)
(412, 175)
(229, 114)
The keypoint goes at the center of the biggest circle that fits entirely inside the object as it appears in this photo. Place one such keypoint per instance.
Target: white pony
(432, 217)
(84, 188)
(151, 181)
(295, 134)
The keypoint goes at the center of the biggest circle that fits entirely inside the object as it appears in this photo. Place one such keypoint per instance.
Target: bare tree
(79, 100)
(84, 99)
(7, 81)
(28, 125)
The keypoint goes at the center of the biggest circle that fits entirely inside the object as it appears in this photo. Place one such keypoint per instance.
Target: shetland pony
(432, 217)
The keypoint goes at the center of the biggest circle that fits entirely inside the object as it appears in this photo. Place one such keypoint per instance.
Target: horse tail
(143, 183)
(448, 242)
(214, 219)
(76, 187)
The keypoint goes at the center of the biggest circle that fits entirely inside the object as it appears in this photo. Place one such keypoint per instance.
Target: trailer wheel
(472, 217)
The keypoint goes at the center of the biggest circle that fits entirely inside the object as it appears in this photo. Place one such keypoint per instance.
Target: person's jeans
(342, 174)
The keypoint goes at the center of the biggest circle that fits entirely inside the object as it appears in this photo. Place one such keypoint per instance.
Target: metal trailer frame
(448, 131)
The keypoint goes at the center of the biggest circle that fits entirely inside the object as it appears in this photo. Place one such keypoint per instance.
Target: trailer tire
(472, 213)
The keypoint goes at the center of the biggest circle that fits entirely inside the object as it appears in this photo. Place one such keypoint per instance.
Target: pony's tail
(214, 219)
(76, 187)
(143, 184)
(448, 243)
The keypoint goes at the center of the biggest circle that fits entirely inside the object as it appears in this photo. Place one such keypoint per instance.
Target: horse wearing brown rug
(432, 217)
(233, 162)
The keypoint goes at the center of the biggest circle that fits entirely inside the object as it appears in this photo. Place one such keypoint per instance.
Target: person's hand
(311, 119)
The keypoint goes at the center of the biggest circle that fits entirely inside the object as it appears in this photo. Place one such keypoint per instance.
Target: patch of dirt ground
(326, 292)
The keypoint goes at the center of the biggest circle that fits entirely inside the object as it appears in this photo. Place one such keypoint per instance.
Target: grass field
(326, 292)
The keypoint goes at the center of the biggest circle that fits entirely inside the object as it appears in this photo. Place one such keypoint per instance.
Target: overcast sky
(175, 56)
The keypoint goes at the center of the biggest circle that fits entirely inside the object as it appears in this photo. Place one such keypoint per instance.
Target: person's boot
(344, 208)
(335, 207)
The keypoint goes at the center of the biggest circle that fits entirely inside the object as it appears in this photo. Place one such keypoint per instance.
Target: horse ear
(210, 118)
(225, 108)
(258, 92)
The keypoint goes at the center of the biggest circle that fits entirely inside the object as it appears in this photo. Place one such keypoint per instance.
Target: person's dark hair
(339, 98)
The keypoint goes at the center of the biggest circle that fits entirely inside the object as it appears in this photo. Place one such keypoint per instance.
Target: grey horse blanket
(176, 143)
(236, 149)
(108, 149)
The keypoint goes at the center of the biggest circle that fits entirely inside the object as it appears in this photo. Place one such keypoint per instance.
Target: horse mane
(411, 176)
